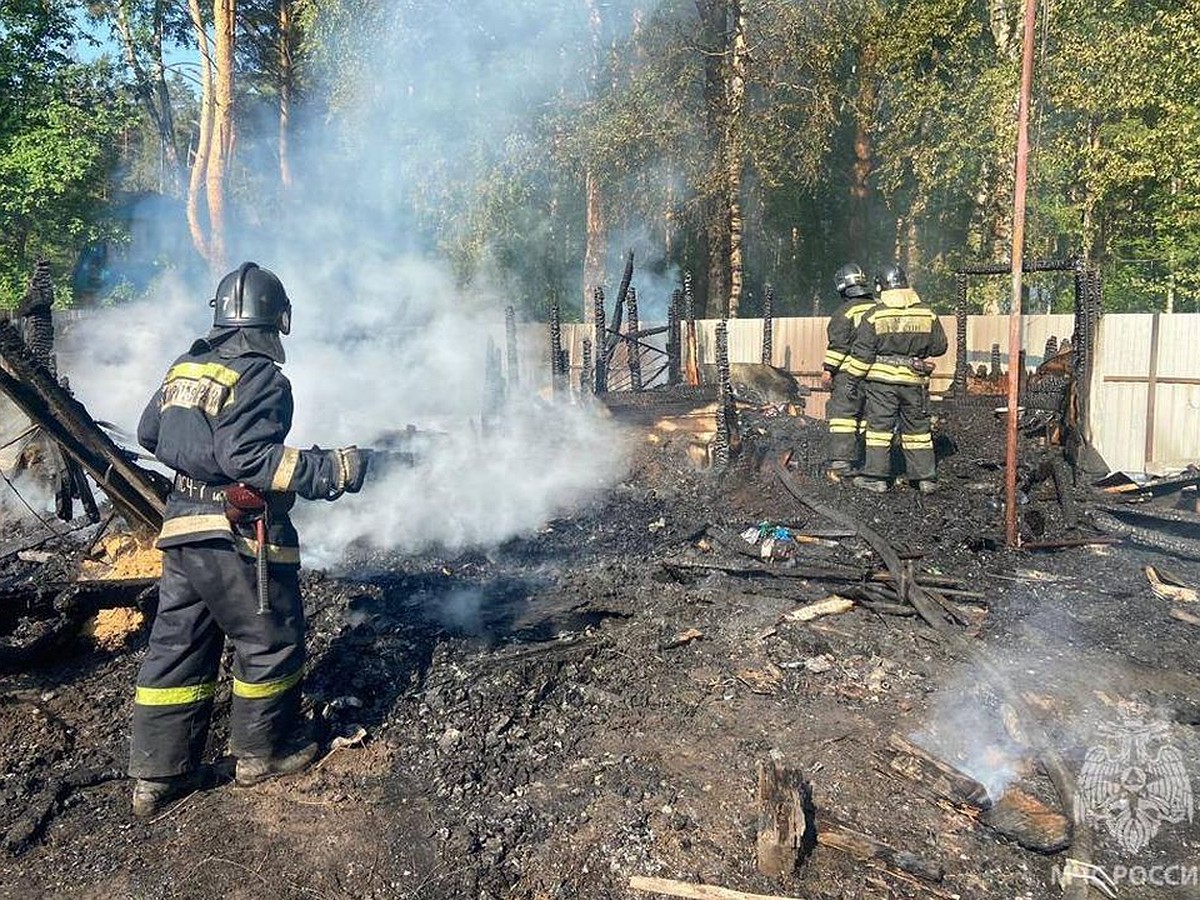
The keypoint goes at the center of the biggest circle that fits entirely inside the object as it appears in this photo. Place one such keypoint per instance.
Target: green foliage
(493, 113)
(58, 127)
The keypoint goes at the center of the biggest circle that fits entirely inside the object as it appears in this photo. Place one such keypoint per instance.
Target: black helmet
(252, 295)
(849, 278)
(892, 276)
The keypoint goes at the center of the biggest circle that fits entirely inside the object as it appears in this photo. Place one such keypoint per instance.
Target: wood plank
(673, 888)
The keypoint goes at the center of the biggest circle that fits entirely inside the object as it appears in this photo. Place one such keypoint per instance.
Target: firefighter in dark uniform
(230, 553)
(844, 410)
(891, 354)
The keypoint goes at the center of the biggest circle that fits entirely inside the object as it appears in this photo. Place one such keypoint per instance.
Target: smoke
(1072, 698)
(420, 107)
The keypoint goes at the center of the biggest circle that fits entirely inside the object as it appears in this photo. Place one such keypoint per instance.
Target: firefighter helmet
(851, 281)
(891, 277)
(252, 296)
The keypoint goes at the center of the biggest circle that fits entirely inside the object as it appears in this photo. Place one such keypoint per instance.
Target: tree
(59, 128)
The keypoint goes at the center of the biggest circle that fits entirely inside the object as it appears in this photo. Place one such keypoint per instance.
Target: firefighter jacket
(220, 418)
(841, 330)
(894, 338)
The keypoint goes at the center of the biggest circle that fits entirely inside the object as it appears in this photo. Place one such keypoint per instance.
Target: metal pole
(1012, 536)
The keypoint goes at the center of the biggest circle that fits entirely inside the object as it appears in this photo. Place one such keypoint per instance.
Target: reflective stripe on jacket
(841, 329)
(221, 418)
(900, 327)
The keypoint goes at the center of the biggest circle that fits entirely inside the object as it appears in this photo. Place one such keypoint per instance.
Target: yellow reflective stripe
(879, 438)
(916, 441)
(181, 526)
(265, 690)
(892, 374)
(899, 298)
(284, 556)
(195, 371)
(843, 426)
(919, 312)
(282, 479)
(856, 366)
(174, 696)
(855, 313)
(834, 358)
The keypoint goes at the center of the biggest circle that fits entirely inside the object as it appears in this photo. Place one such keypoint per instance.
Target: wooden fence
(1145, 392)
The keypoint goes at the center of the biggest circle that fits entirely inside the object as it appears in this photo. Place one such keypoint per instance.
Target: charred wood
(514, 361)
(768, 340)
(673, 338)
(600, 380)
(632, 346)
(784, 811)
(135, 492)
(918, 764)
(33, 822)
(831, 833)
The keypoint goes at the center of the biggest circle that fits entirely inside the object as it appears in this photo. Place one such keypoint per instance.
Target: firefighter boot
(838, 470)
(290, 761)
(874, 485)
(927, 486)
(150, 795)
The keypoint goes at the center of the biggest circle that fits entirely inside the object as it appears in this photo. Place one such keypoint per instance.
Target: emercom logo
(1133, 783)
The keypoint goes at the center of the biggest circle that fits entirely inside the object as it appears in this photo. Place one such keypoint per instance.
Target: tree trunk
(286, 75)
(152, 93)
(735, 152)
(595, 227)
(714, 17)
(597, 244)
(199, 168)
(224, 26)
(864, 120)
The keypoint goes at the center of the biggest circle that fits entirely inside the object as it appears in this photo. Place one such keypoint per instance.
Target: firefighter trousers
(905, 405)
(208, 592)
(844, 412)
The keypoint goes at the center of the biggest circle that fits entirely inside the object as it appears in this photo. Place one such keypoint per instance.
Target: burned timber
(726, 676)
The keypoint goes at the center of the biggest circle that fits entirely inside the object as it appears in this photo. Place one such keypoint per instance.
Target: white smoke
(385, 332)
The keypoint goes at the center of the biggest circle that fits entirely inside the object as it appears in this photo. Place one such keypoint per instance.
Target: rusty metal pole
(1011, 532)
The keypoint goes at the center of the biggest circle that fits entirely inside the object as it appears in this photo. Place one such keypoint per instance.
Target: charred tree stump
(783, 808)
(38, 331)
(673, 338)
(37, 318)
(601, 377)
(961, 368)
(556, 372)
(613, 338)
(995, 370)
(768, 338)
(1051, 349)
(723, 443)
(493, 385)
(692, 363)
(514, 362)
(587, 385)
(632, 346)
(137, 494)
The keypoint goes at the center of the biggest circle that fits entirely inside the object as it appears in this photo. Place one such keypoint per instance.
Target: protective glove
(826, 378)
(350, 470)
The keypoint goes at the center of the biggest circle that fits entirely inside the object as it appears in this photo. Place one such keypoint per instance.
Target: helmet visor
(285, 320)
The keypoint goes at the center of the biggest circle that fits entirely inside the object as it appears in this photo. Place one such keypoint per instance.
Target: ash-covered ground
(548, 718)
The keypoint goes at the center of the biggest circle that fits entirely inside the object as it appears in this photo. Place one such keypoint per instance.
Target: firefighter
(891, 355)
(230, 552)
(844, 410)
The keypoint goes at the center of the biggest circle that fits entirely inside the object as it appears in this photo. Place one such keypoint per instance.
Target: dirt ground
(589, 703)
